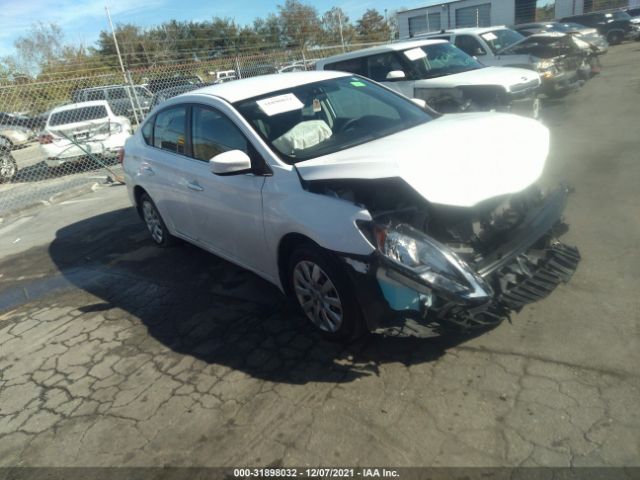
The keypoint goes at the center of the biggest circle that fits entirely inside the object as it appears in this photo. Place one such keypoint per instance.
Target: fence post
(238, 68)
(135, 94)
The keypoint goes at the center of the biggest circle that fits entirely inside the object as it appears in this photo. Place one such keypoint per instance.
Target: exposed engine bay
(468, 266)
(470, 98)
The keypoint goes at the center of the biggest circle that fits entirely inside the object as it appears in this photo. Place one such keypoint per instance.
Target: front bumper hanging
(523, 270)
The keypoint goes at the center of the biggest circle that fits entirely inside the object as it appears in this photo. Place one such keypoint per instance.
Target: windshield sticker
(358, 84)
(415, 54)
(489, 36)
(280, 104)
(317, 107)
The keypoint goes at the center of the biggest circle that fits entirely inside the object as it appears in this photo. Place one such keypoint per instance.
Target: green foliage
(373, 27)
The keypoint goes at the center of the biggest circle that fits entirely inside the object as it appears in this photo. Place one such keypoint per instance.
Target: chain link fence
(60, 136)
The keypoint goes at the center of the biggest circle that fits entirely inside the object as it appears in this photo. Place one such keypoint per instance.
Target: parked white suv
(355, 201)
(444, 76)
(75, 131)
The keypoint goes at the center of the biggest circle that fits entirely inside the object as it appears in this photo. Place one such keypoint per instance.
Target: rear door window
(117, 93)
(469, 45)
(170, 130)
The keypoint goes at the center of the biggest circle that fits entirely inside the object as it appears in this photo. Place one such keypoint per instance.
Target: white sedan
(355, 201)
(81, 130)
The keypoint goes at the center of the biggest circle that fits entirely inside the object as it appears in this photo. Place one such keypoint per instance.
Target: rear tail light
(45, 138)
(121, 155)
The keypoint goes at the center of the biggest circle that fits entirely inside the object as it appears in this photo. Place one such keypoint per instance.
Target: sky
(82, 20)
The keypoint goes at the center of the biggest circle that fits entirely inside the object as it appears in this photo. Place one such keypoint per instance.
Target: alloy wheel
(317, 296)
(8, 167)
(152, 220)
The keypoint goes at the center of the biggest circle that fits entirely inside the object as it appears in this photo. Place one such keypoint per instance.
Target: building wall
(503, 12)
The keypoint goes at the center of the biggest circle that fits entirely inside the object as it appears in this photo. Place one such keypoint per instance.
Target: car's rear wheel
(8, 166)
(324, 293)
(154, 222)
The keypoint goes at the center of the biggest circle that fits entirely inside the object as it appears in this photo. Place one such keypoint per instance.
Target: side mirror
(232, 162)
(396, 75)
(421, 103)
(479, 52)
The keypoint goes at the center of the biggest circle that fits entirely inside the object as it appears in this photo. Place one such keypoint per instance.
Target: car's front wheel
(154, 222)
(615, 38)
(324, 293)
(8, 167)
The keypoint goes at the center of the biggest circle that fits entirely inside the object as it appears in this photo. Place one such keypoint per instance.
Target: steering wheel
(350, 124)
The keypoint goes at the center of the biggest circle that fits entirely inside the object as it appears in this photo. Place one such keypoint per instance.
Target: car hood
(457, 159)
(505, 76)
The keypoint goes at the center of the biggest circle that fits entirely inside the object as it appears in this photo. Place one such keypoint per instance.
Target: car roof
(476, 30)
(264, 84)
(102, 87)
(72, 106)
(389, 47)
(534, 24)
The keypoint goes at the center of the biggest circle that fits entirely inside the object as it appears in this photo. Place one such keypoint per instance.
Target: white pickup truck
(444, 76)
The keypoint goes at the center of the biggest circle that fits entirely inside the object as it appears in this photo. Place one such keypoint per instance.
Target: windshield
(619, 15)
(324, 117)
(76, 115)
(441, 59)
(499, 39)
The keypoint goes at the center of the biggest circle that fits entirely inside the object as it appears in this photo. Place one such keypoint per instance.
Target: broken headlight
(434, 264)
(547, 68)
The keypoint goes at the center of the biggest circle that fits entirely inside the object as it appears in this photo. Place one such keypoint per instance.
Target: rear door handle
(195, 186)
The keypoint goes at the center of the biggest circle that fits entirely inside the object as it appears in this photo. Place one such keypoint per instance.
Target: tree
(41, 47)
(300, 23)
(372, 27)
(268, 31)
(336, 27)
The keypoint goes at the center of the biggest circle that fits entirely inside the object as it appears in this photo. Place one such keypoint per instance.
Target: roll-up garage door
(476, 16)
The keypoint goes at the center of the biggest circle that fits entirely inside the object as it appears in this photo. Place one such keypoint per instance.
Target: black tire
(5, 144)
(8, 167)
(351, 325)
(615, 38)
(158, 230)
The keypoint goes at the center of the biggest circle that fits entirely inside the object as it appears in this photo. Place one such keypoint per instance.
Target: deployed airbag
(304, 135)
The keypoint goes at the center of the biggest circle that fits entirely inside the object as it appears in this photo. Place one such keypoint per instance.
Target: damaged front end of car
(462, 267)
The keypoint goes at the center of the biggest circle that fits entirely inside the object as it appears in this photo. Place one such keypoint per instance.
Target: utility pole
(127, 80)
(340, 26)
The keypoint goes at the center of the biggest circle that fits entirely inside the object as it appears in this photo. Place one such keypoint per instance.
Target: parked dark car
(164, 83)
(589, 35)
(614, 26)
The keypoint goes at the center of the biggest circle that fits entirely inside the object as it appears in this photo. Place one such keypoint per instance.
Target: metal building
(443, 14)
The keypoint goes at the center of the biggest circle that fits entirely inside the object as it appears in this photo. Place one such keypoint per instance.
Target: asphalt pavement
(115, 352)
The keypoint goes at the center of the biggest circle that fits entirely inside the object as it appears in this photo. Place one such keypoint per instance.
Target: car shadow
(198, 304)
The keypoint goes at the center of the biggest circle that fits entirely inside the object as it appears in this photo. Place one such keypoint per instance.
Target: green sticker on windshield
(358, 84)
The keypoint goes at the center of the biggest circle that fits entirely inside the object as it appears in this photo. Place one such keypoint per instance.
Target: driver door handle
(195, 186)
